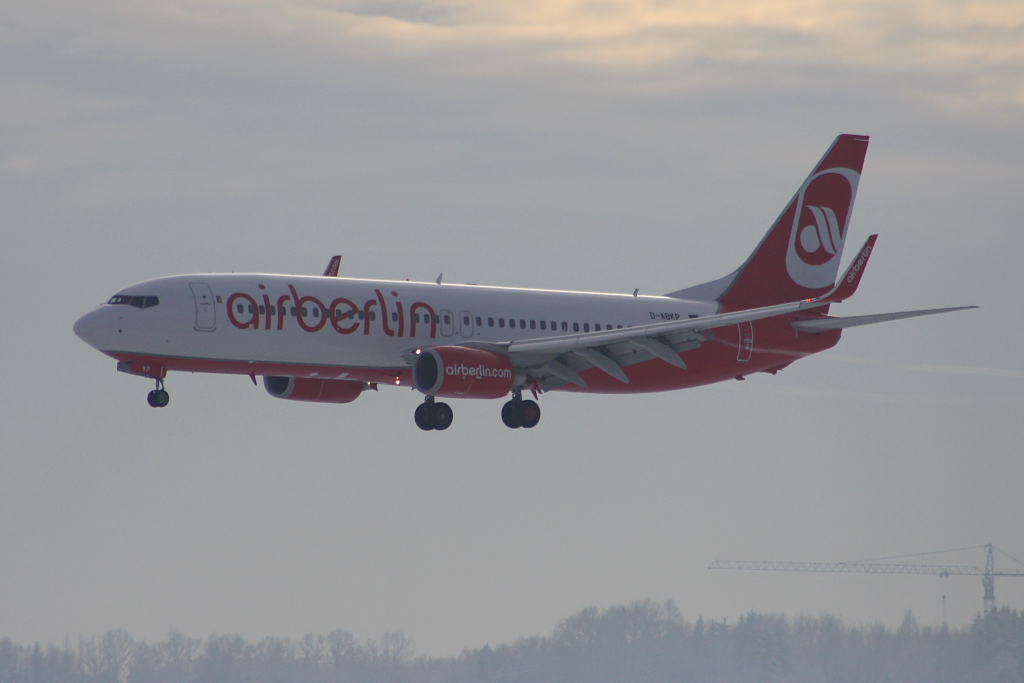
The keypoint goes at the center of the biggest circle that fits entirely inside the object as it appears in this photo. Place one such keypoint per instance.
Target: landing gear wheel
(527, 414)
(422, 417)
(509, 415)
(430, 416)
(158, 398)
(441, 416)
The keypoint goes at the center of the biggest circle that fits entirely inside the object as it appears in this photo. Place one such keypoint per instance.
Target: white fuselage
(349, 323)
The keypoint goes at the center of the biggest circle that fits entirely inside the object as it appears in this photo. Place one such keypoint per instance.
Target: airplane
(327, 339)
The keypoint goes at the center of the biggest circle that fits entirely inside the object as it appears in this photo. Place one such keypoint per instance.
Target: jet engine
(313, 390)
(461, 372)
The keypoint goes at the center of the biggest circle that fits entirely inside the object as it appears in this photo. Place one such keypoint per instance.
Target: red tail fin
(799, 257)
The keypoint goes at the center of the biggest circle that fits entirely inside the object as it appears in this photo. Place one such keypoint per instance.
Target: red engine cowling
(314, 390)
(460, 372)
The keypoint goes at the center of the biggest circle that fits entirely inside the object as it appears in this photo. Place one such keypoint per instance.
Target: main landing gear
(519, 413)
(430, 415)
(158, 398)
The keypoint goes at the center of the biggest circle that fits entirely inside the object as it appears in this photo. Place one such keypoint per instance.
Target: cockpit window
(136, 301)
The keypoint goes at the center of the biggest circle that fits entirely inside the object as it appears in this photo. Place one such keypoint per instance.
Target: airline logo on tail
(823, 208)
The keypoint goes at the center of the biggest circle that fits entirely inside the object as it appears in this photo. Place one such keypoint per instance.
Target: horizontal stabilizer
(823, 324)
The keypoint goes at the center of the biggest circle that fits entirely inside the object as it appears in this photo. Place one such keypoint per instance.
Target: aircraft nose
(90, 327)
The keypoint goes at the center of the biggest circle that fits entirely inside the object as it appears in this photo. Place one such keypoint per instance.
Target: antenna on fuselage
(439, 278)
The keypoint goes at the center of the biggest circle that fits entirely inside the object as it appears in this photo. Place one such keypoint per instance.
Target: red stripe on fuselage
(776, 344)
(241, 367)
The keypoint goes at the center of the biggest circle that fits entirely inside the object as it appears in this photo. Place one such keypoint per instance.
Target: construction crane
(988, 574)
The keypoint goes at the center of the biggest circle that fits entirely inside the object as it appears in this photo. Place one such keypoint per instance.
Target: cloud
(964, 53)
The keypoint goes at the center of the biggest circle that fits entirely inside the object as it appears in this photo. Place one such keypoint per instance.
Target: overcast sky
(585, 145)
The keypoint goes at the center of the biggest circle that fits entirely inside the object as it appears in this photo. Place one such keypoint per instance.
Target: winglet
(333, 266)
(847, 285)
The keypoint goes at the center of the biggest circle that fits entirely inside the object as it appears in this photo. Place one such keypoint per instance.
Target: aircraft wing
(564, 356)
(844, 289)
(564, 343)
(558, 360)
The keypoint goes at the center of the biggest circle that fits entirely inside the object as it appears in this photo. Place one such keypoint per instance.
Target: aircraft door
(745, 332)
(206, 313)
(466, 323)
(447, 323)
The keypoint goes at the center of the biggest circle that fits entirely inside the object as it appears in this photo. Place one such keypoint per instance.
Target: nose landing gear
(430, 415)
(519, 413)
(159, 398)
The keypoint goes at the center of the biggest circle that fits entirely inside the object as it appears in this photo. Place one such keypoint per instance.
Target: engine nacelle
(461, 372)
(313, 390)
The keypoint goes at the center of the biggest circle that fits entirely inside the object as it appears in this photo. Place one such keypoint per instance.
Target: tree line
(644, 642)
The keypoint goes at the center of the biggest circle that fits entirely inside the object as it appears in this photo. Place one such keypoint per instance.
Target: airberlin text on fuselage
(477, 371)
(344, 315)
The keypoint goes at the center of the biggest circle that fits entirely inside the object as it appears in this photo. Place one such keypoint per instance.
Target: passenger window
(490, 322)
(436, 319)
(543, 325)
(250, 308)
(597, 327)
(240, 308)
(565, 327)
(465, 320)
(373, 315)
(262, 310)
(304, 312)
(586, 327)
(361, 315)
(522, 324)
(316, 312)
(501, 322)
(394, 317)
(512, 322)
(479, 322)
(575, 327)
(618, 327)
(533, 324)
(447, 320)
